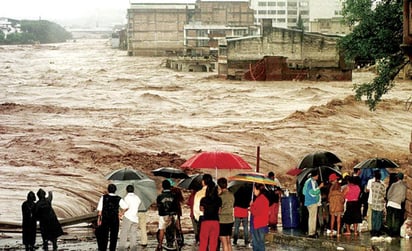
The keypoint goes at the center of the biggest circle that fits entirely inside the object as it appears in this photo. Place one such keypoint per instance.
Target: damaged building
(283, 54)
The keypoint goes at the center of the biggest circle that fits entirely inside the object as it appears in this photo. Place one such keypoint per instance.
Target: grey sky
(57, 9)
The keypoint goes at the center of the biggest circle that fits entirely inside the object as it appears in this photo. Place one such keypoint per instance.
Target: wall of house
(155, 32)
(310, 49)
(232, 13)
(302, 50)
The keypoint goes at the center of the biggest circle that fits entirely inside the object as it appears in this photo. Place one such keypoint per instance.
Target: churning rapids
(73, 112)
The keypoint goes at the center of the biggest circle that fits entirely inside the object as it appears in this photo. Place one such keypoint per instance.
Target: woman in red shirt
(259, 210)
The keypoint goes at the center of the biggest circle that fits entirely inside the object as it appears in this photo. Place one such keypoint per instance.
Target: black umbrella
(194, 182)
(324, 172)
(319, 158)
(170, 172)
(126, 174)
(368, 167)
(377, 163)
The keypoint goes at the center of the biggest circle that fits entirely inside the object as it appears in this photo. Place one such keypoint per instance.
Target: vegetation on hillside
(376, 37)
(41, 31)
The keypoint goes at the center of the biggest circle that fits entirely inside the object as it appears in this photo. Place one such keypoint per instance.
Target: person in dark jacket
(108, 219)
(29, 221)
(50, 227)
(167, 206)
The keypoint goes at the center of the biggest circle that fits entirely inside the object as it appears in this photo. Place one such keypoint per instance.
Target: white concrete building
(8, 26)
(283, 13)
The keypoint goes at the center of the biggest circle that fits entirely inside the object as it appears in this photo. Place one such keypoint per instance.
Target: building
(331, 26)
(9, 26)
(283, 54)
(283, 13)
(156, 28)
(185, 28)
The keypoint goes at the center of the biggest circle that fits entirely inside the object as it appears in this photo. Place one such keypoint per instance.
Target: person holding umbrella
(167, 206)
(311, 191)
(259, 209)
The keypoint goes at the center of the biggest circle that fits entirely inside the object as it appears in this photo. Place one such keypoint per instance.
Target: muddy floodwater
(70, 113)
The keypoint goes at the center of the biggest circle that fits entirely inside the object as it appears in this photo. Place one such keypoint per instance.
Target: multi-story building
(326, 17)
(157, 28)
(283, 13)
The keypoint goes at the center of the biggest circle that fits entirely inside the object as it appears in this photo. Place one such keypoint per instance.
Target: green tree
(376, 36)
(42, 31)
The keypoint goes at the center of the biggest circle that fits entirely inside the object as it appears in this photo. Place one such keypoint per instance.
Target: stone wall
(156, 32)
(312, 51)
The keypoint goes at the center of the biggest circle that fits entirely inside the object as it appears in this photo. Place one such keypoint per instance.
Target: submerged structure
(283, 54)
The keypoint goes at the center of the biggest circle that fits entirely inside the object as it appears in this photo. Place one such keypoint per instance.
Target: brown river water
(72, 112)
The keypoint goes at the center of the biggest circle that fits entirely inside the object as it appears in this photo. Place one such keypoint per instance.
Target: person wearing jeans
(259, 210)
(241, 214)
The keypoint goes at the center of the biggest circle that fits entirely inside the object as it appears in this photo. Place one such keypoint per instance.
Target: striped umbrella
(254, 177)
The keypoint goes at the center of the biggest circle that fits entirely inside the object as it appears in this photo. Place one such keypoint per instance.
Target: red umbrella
(216, 160)
(294, 171)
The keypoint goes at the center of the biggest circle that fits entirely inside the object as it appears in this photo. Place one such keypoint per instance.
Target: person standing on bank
(395, 215)
(378, 204)
(275, 194)
(211, 205)
(311, 191)
(226, 214)
(50, 227)
(29, 223)
(167, 207)
(108, 219)
(259, 209)
(130, 220)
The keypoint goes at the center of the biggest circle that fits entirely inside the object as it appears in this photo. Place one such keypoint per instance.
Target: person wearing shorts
(167, 207)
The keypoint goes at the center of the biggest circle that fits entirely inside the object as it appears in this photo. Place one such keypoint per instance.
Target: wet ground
(78, 238)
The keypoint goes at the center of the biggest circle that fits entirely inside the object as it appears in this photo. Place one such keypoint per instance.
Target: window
(281, 4)
(281, 12)
(271, 3)
(292, 12)
(272, 12)
(303, 4)
(262, 3)
(281, 20)
(292, 4)
(262, 12)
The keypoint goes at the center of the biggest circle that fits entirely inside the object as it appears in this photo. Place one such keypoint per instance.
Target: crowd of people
(217, 213)
(214, 210)
(348, 204)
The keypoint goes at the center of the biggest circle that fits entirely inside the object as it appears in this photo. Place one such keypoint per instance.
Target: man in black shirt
(167, 206)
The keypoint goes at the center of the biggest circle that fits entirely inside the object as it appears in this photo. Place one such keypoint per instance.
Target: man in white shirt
(130, 220)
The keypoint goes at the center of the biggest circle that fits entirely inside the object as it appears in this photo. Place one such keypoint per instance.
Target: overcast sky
(57, 9)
